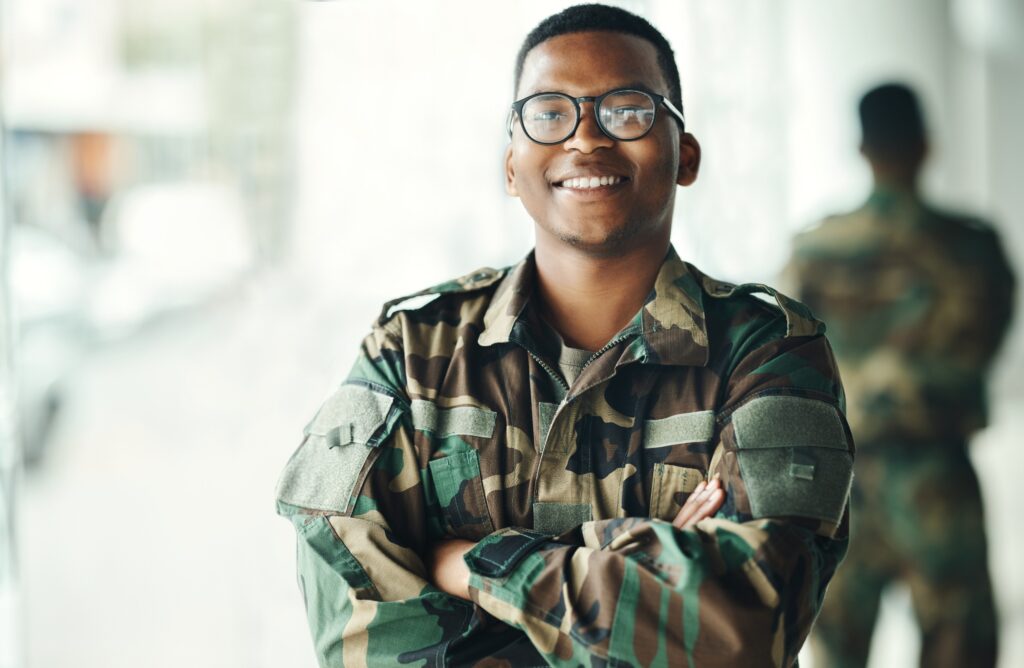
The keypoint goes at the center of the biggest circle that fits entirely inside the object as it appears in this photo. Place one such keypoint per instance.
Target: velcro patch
(546, 411)
(457, 421)
(780, 421)
(682, 428)
(323, 471)
(555, 518)
(794, 457)
(351, 415)
(499, 553)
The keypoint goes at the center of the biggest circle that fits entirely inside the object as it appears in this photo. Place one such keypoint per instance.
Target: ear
(510, 173)
(689, 159)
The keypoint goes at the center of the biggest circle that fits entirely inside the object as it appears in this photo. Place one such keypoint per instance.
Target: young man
(520, 472)
(917, 301)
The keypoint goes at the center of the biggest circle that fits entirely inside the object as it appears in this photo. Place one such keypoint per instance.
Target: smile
(590, 182)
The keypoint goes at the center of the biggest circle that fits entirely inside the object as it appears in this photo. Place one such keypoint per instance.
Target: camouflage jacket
(916, 303)
(454, 422)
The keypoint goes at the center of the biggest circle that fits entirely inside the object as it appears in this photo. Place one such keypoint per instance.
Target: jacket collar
(671, 326)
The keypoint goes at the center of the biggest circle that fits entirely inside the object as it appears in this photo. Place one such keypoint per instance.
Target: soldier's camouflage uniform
(455, 422)
(916, 303)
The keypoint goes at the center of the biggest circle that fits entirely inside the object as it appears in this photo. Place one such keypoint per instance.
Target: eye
(628, 115)
(547, 116)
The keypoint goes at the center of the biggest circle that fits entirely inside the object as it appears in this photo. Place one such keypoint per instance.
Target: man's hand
(450, 574)
(703, 502)
(448, 571)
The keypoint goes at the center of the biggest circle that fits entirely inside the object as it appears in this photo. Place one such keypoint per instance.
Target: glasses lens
(627, 114)
(549, 118)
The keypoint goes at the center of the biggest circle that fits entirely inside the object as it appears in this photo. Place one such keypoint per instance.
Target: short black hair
(585, 18)
(891, 121)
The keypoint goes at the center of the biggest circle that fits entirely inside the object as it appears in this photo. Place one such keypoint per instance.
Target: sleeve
(742, 588)
(995, 305)
(365, 586)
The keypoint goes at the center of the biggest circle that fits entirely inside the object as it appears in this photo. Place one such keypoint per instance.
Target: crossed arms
(739, 588)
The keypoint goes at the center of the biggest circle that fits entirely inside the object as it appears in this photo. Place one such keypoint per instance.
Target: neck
(589, 299)
(896, 178)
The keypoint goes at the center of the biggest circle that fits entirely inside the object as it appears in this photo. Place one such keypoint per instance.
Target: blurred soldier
(916, 301)
(599, 456)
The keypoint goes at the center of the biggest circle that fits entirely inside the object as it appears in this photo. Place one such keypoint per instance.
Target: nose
(588, 136)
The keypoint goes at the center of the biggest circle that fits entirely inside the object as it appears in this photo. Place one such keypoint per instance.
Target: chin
(608, 242)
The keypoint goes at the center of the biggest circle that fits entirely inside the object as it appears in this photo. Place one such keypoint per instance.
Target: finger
(693, 500)
(714, 502)
(707, 509)
(701, 506)
(692, 503)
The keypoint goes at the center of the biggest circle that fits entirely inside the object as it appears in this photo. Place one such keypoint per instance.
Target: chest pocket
(670, 485)
(675, 474)
(455, 479)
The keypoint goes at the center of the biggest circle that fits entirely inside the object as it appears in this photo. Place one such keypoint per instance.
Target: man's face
(636, 207)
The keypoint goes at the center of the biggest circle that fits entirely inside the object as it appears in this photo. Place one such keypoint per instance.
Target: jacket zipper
(565, 400)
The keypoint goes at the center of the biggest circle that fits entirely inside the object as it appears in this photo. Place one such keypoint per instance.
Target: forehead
(590, 63)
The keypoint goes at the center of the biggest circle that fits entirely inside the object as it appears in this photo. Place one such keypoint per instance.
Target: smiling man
(599, 456)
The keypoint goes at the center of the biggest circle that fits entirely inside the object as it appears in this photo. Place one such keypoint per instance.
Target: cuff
(498, 554)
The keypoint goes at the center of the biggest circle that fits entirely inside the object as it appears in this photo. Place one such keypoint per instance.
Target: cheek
(660, 157)
(665, 166)
(529, 179)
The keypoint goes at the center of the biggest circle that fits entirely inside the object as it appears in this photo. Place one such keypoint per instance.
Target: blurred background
(205, 203)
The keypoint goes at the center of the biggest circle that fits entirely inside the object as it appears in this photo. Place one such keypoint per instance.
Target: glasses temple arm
(675, 112)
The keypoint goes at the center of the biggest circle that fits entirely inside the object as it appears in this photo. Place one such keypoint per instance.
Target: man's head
(587, 51)
(602, 18)
(892, 132)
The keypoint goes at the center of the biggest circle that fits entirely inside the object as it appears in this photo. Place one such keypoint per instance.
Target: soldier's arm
(1000, 289)
(365, 585)
(739, 589)
(448, 565)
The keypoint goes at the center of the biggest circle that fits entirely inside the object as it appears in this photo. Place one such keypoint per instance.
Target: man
(917, 301)
(520, 472)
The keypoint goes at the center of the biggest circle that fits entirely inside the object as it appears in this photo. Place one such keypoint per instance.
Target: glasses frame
(517, 110)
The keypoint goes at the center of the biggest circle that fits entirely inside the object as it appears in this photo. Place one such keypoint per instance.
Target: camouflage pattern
(455, 423)
(916, 302)
(916, 516)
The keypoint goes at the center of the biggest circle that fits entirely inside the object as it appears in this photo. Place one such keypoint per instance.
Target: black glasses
(625, 114)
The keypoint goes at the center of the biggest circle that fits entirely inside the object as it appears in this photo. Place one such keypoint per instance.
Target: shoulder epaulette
(799, 319)
(476, 280)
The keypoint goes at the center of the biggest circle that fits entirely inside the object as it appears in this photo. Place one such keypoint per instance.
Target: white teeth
(588, 182)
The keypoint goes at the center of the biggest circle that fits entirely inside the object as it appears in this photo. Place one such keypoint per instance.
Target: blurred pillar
(10, 637)
(251, 72)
